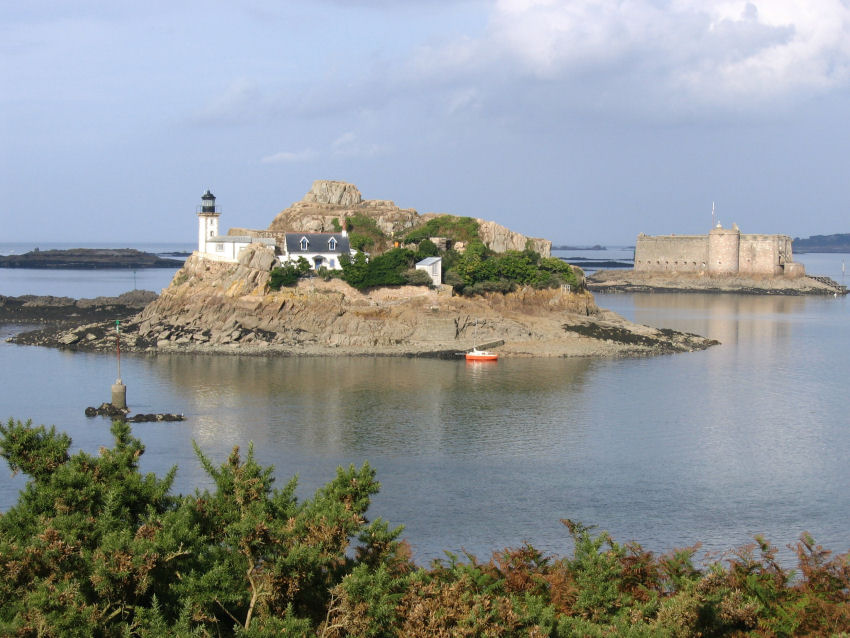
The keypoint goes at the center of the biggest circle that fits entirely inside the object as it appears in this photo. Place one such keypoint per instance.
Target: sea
(748, 437)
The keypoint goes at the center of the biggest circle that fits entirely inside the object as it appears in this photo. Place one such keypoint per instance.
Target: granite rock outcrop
(330, 200)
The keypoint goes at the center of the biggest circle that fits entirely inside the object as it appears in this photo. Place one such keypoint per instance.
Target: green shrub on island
(95, 548)
(364, 233)
(478, 269)
(426, 248)
(475, 271)
(417, 277)
(463, 229)
(288, 274)
(387, 269)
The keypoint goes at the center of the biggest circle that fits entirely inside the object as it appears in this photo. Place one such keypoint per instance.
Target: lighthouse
(207, 220)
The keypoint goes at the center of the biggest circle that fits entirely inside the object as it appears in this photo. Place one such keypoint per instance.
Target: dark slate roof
(318, 243)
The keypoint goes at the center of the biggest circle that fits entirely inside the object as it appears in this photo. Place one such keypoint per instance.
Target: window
(332, 243)
(219, 248)
(304, 243)
(332, 262)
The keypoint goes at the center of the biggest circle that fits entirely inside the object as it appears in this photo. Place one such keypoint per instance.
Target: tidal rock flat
(631, 281)
(213, 307)
(66, 311)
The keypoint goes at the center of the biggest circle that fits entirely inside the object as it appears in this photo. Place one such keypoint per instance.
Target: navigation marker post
(119, 390)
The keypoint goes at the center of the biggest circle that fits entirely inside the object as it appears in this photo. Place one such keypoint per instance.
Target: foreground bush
(95, 548)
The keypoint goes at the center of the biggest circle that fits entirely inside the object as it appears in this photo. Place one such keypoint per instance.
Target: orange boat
(481, 355)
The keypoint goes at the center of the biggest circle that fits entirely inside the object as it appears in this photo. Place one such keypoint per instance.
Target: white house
(434, 267)
(319, 249)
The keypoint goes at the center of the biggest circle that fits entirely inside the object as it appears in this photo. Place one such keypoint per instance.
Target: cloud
(657, 52)
(236, 102)
(282, 157)
(349, 145)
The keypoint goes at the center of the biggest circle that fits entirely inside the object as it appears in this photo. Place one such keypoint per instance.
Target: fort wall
(671, 253)
(723, 251)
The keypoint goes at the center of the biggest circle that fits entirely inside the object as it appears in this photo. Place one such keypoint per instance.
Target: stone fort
(723, 251)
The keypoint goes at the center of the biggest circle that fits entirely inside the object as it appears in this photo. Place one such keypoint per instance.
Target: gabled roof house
(320, 249)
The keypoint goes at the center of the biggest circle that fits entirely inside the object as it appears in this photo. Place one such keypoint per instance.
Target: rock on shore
(631, 281)
(65, 310)
(213, 307)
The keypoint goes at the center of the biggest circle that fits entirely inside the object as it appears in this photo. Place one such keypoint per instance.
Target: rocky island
(835, 243)
(216, 308)
(217, 305)
(87, 259)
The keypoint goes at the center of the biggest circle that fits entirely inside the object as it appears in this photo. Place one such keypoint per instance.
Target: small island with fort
(723, 261)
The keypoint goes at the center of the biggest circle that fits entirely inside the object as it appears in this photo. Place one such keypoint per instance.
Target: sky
(575, 120)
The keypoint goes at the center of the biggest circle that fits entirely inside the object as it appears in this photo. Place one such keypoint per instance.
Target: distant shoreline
(88, 259)
(568, 247)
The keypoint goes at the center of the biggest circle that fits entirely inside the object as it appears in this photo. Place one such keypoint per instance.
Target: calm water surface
(86, 283)
(748, 437)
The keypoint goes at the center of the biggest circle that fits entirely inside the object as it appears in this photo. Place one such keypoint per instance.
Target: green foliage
(364, 233)
(387, 269)
(354, 270)
(336, 225)
(426, 248)
(35, 451)
(463, 229)
(417, 277)
(84, 546)
(480, 270)
(288, 274)
(361, 242)
(95, 548)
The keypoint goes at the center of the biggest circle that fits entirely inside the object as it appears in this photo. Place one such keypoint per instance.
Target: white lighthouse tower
(207, 221)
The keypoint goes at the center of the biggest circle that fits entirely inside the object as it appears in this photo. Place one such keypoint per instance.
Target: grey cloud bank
(578, 121)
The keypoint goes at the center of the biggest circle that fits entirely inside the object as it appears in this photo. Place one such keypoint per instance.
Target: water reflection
(727, 318)
(362, 404)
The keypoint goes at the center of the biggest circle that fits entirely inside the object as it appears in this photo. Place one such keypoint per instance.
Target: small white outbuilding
(434, 267)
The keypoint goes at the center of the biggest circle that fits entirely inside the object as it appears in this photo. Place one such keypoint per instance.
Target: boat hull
(481, 356)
